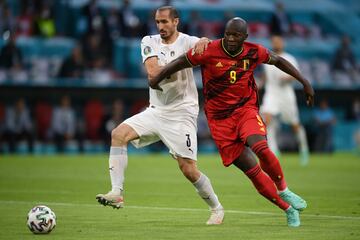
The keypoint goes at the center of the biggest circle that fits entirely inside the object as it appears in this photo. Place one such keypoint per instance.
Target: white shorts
(177, 130)
(285, 107)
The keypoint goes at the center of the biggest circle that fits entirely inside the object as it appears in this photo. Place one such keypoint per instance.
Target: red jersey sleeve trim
(269, 59)
(187, 58)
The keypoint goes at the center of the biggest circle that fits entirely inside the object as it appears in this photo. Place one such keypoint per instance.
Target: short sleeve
(264, 54)
(195, 59)
(147, 49)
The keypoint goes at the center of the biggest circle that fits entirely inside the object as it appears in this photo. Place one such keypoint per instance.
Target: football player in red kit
(232, 109)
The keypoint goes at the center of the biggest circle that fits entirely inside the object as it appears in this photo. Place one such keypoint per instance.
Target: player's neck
(171, 39)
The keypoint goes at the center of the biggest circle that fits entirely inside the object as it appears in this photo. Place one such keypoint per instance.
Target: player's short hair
(173, 12)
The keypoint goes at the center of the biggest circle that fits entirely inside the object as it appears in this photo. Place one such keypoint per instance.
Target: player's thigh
(250, 123)
(226, 139)
(145, 125)
(179, 135)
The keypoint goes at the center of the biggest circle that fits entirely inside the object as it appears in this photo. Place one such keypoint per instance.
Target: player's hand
(309, 92)
(201, 45)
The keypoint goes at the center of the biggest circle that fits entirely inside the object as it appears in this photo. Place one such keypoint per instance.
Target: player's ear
(176, 21)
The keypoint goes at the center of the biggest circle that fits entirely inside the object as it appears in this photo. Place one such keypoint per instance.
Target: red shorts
(230, 134)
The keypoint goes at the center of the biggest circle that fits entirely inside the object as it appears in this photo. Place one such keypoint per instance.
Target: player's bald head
(235, 34)
(237, 24)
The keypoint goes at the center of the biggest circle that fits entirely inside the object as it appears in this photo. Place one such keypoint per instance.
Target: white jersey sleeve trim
(147, 48)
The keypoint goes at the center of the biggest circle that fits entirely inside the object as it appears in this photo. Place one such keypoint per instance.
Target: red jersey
(228, 80)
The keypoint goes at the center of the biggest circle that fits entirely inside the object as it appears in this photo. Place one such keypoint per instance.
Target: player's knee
(118, 136)
(246, 160)
(259, 147)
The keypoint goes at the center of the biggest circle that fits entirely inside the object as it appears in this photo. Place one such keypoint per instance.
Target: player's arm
(288, 68)
(201, 45)
(171, 68)
(152, 67)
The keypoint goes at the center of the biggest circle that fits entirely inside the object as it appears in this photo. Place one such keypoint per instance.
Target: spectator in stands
(355, 110)
(45, 22)
(95, 47)
(112, 120)
(11, 61)
(113, 23)
(97, 51)
(324, 120)
(280, 23)
(344, 61)
(10, 55)
(73, 66)
(7, 22)
(129, 22)
(92, 14)
(63, 125)
(24, 22)
(18, 126)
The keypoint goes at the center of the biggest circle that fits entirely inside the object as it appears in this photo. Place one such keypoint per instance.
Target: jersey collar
(231, 55)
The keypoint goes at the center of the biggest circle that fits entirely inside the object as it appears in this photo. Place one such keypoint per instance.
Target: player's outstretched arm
(170, 68)
(287, 67)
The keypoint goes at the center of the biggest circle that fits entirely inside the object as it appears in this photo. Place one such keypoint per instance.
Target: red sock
(270, 164)
(265, 186)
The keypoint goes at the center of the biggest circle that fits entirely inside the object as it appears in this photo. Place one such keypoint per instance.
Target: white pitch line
(179, 209)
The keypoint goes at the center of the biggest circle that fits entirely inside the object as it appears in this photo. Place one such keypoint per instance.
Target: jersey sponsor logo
(147, 50)
(219, 64)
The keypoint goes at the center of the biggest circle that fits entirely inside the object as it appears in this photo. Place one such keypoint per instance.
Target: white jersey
(279, 96)
(275, 85)
(179, 90)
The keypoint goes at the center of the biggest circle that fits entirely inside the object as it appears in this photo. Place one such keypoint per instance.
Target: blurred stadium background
(84, 56)
(81, 59)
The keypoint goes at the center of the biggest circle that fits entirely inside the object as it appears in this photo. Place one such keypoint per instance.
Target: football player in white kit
(171, 116)
(280, 101)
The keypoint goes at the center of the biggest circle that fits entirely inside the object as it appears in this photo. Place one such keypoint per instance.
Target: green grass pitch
(161, 204)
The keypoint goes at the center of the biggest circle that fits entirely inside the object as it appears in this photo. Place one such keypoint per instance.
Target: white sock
(206, 191)
(301, 137)
(271, 136)
(118, 161)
